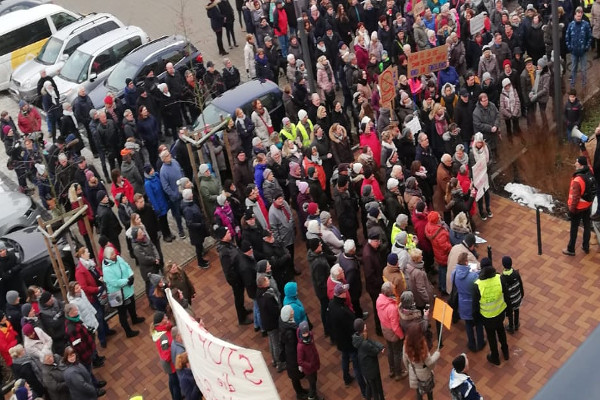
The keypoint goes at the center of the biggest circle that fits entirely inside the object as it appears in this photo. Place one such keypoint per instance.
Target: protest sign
(442, 312)
(414, 125)
(425, 61)
(222, 370)
(418, 6)
(386, 87)
(476, 24)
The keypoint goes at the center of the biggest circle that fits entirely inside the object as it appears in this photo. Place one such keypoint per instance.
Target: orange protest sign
(418, 6)
(442, 312)
(386, 86)
(425, 61)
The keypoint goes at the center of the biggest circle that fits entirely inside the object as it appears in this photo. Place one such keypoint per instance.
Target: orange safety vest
(583, 204)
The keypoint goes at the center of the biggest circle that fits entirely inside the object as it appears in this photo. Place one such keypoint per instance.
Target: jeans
(578, 61)
(471, 343)
(348, 356)
(486, 199)
(102, 324)
(283, 44)
(576, 218)
(176, 212)
(494, 329)
(275, 346)
(256, 314)
(442, 271)
(174, 386)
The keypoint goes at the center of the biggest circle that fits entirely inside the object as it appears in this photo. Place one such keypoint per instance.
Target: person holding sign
(419, 362)
(490, 301)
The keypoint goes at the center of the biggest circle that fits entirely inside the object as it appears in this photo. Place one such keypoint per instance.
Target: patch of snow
(529, 196)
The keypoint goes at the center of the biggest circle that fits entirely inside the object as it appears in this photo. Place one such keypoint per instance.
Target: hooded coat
(341, 321)
(291, 298)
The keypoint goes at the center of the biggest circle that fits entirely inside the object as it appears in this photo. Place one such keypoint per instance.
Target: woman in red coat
(76, 191)
(308, 358)
(361, 52)
(8, 339)
(368, 137)
(121, 185)
(437, 233)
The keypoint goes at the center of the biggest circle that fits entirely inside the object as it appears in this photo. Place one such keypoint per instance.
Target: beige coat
(453, 260)
(423, 370)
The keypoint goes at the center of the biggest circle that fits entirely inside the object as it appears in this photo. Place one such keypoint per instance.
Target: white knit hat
(356, 167)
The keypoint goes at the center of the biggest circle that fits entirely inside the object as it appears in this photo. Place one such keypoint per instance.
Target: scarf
(264, 211)
(241, 121)
(69, 113)
(285, 211)
(511, 100)
(74, 319)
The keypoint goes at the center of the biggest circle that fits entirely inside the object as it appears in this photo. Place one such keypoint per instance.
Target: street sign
(425, 61)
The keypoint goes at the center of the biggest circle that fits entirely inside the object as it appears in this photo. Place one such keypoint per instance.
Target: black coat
(289, 344)
(195, 222)
(247, 271)
(230, 255)
(351, 268)
(319, 272)
(368, 350)
(373, 269)
(231, 78)
(279, 258)
(107, 222)
(341, 322)
(10, 272)
(269, 308)
(463, 116)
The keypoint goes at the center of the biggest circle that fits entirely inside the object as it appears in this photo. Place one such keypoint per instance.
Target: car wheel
(52, 281)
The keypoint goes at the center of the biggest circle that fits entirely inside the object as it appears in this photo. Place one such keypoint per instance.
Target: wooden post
(90, 232)
(63, 279)
(53, 261)
(228, 150)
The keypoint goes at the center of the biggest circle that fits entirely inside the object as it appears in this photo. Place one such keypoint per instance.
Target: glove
(130, 280)
(582, 146)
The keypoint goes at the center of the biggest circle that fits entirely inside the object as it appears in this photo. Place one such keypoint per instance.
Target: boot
(510, 328)
(132, 333)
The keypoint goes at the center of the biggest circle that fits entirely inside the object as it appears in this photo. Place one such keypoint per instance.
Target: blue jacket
(579, 37)
(148, 129)
(169, 175)
(116, 273)
(156, 195)
(448, 75)
(464, 280)
(258, 178)
(291, 297)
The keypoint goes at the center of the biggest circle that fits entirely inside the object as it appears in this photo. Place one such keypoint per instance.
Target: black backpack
(456, 394)
(590, 187)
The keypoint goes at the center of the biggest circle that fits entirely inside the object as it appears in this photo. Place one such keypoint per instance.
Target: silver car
(18, 211)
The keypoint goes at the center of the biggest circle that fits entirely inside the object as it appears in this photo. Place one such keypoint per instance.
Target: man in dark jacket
(52, 376)
(230, 257)
(146, 255)
(53, 320)
(109, 142)
(10, 272)
(368, 350)
(279, 258)
(341, 320)
(242, 171)
(346, 207)
(269, 306)
(351, 266)
(196, 225)
(463, 116)
(319, 272)
(373, 264)
(82, 105)
(247, 271)
(106, 220)
(230, 74)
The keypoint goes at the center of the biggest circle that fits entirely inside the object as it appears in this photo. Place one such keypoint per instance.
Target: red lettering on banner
(249, 370)
(224, 383)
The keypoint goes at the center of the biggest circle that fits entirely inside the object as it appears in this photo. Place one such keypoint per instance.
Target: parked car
(24, 32)
(30, 249)
(241, 97)
(18, 211)
(152, 56)
(8, 6)
(60, 46)
(93, 61)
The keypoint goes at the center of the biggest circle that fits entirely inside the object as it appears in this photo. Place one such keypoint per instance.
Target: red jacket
(161, 335)
(374, 185)
(387, 311)
(30, 123)
(308, 356)
(89, 213)
(419, 220)
(126, 189)
(440, 240)
(370, 139)
(331, 286)
(8, 339)
(87, 282)
(362, 57)
(280, 28)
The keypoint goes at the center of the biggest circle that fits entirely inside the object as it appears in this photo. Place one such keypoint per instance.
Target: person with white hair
(387, 309)
(52, 107)
(350, 265)
(119, 278)
(479, 160)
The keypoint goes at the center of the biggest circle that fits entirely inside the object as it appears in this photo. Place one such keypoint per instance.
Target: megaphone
(577, 134)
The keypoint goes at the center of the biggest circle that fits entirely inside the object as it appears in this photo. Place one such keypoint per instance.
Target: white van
(60, 46)
(93, 61)
(24, 32)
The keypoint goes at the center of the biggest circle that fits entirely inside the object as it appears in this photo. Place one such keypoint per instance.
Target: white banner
(477, 23)
(222, 370)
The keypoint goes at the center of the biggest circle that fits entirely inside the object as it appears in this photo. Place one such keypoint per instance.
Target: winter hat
(314, 243)
(89, 174)
(485, 262)
(505, 82)
(303, 327)
(221, 199)
(507, 262)
(261, 266)
(343, 167)
(478, 137)
(22, 103)
(108, 100)
(25, 308)
(12, 296)
(356, 167)
(464, 92)
(147, 169)
(469, 239)
(312, 208)
(187, 194)
(220, 232)
(266, 173)
(154, 279)
(6, 129)
(285, 120)
(359, 325)
(295, 168)
(256, 141)
(528, 60)
(313, 227)
(311, 171)
(542, 62)
(374, 212)
(339, 289)
(40, 168)
(158, 317)
(27, 329)
(246, 246)
(392, 183)
(486, 76)
(202, 169)
(325, 216)
(486, 47)
(401, 238)
(286, 313)
(45, 297)
(459, 363)
(128, 81)
(302, 186)
(302, 114)
(249, 214)
(367, 190)
(433, 217)
(274, 149)
(392, 259)
(365, 120)
(505, 63)
(100, 195)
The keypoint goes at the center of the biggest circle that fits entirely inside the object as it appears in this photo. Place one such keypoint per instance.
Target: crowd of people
(380, 207)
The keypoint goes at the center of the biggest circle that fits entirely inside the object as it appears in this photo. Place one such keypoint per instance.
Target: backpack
(590, 187)
(456, 394)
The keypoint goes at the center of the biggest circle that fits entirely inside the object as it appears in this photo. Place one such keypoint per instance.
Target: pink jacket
(325, 85)
(387, 311)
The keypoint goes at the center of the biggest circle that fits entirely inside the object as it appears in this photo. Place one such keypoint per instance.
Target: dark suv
(154, 56)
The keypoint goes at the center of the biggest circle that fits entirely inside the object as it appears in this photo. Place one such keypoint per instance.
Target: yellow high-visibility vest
(492, 299)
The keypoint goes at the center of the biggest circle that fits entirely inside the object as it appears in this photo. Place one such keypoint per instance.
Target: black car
(152, 56)
(30, 249)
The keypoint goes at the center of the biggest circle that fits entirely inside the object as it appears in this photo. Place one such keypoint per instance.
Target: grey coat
(130, 171)
(79, 382)
(54, 380)
(270, 189)
(282, 228)
(257, 213)
(483, 121)
(146, 255)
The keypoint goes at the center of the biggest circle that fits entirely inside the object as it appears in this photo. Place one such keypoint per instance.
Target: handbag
(453, 299)
(115, 299)
(424, 386)
(269, 128)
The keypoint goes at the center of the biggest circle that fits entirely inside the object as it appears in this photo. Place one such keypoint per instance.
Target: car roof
(84, 23)
(147, 50)
(20, 18)
(106, 40)
(243, 94)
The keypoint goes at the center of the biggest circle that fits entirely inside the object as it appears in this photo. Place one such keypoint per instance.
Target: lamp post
(306, 51)
(558, 116)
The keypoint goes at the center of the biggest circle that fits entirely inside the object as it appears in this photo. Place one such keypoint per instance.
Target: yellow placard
(442, 312)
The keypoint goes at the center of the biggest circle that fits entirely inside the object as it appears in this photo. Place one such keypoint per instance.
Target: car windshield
(76, 67)
(211, 115)
(50, 51)
(123, 70)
